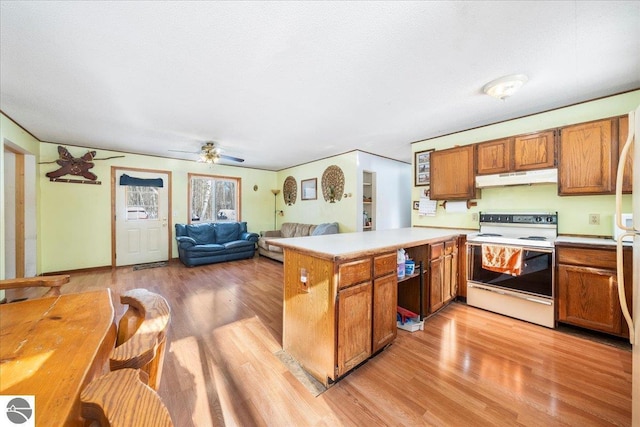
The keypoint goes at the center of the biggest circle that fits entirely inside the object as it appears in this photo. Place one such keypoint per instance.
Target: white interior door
(141, 220)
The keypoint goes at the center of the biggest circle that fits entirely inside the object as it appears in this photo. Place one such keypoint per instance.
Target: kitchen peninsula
(341, 294)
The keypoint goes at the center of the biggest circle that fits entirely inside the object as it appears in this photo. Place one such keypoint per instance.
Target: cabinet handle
(508, 294)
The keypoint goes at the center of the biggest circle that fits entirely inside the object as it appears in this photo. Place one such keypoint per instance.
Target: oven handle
(509, 294)
(524, 248)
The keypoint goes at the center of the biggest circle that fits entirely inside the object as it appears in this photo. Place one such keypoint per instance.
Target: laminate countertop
(345, 246)
(588, 241)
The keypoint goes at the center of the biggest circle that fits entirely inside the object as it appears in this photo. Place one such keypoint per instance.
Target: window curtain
(140, 182)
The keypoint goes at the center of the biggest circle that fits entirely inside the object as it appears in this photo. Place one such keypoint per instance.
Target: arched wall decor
(290, 190)
(332, 184)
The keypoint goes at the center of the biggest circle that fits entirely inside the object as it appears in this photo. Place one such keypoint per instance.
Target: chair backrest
(142, 334)
(121, 399)
(52, 282)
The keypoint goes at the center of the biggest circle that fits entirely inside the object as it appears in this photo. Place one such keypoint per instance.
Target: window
(142, 202)
(214, 198)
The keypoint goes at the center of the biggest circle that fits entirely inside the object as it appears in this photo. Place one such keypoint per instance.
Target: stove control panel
(536, 218)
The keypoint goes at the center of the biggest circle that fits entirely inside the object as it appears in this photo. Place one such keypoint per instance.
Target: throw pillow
(325, 228)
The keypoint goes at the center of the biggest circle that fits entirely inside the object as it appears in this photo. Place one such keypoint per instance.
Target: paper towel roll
(455, 207)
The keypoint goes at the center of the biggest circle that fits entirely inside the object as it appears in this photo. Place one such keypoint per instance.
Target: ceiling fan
(211, 153)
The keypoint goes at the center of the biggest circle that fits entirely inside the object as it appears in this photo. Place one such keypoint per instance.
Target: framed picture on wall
(309, 190)
(423, 168)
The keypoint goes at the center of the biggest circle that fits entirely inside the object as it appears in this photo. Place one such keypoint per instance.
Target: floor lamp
(275, 210)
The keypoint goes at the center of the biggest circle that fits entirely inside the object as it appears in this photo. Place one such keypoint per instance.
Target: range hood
(541, 176)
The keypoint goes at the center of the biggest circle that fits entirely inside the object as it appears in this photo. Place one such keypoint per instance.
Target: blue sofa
(207, 243)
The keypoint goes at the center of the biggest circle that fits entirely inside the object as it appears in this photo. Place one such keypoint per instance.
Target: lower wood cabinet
(588, 288)
(385, 302)
(462, 267)
(340, 314)
(443, 274)
(354, 326)
(440, 277)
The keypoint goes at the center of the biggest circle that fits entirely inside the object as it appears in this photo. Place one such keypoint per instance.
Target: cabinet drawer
(597, 258)
(354, 272)
(384, 264)
(449, 247)
(436, 250)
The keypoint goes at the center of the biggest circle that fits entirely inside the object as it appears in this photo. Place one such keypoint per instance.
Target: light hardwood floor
(467, 368)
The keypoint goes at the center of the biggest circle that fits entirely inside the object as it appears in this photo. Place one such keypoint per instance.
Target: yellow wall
(75, 218)
(573, 211)
(317, 211)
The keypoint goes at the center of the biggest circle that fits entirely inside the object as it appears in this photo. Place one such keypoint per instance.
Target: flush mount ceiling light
(505, 86)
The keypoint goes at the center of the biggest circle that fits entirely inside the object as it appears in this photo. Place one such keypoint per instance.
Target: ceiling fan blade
(234, 159)
(182, 151)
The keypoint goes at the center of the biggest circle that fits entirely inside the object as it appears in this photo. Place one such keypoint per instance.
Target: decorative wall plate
(332, 184)
(290, 190)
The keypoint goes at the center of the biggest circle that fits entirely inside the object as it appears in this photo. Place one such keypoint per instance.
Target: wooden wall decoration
(77, 166)
(332, 184)
(290, 190)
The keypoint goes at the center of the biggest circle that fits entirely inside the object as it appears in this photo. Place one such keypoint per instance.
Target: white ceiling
(284, 83)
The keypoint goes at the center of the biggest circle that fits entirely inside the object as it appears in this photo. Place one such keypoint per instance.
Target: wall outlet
(594, 219)
(474, 216)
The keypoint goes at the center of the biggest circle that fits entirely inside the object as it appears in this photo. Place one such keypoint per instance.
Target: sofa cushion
(262, 243)
(296, 229)
(227, 231)
(211, 247)
(239, 244)
(201, 233)
(325, 228)
(275, 248)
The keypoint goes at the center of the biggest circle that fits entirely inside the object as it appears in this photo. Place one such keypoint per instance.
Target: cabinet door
(623, 133)
(461, 290)
(452, 174)
(586, 159)
(535, 151)
(588, 297)
(385, 297)
(494, 156)
(450, 283)
(354, 326)
(436, 297)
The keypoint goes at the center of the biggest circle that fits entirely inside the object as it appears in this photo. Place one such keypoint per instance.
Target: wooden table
(52, 347)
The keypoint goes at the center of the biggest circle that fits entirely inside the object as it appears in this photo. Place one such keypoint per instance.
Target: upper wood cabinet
(534, 151)
(587, 158)
(519, 153)
(452, 174)
(623, 133)
(494, 156)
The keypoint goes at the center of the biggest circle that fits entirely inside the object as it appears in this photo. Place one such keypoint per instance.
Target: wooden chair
(52, 282)
(142, 334)
(121, 399)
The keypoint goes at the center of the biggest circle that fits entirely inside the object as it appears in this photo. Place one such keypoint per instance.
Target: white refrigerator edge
(634, 232)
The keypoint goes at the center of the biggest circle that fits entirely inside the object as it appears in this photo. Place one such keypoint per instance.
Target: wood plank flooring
(467, 368)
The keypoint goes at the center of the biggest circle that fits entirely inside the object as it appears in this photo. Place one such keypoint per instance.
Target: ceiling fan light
(505, 86)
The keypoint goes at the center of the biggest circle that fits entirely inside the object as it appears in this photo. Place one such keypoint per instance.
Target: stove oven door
(536, 277)
(527, 296)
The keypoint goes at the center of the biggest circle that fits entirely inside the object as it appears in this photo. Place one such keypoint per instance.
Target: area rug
(150, 265)
(314, 386)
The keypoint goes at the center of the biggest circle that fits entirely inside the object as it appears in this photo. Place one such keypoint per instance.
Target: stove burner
(489, 235)
(533, 238)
